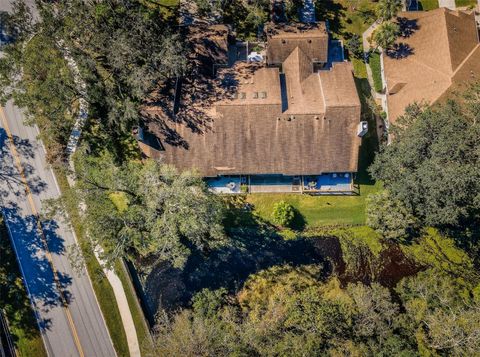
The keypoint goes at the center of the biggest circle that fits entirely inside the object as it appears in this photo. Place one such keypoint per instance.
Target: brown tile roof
(224, 132)
(282, 39)
(429, 58)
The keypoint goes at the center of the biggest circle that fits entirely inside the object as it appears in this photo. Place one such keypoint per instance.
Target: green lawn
(317, 210)
(143, 334)
(167, 7)
(376, 67)
(428, 5)
(15, 302)
(466, 3)
(102, 287)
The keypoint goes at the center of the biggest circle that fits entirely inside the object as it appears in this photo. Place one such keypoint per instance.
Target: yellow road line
(28, 193)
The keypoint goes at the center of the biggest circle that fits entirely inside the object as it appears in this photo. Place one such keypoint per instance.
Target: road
(66, 308)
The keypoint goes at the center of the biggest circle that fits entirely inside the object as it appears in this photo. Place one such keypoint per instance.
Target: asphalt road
(66, 308)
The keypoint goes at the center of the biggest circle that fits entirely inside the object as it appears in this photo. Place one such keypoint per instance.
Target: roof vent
(243, 95)
(263, 95)
(255, 95)
(283, 41)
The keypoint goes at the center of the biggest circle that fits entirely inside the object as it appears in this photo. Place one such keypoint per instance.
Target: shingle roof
(282, 39)
(429, 57)
(208, 46)
(232, 135)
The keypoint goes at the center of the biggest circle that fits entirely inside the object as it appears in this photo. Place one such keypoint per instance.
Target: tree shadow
(400, 50)
(370, 142)
(253, 245)
(9, 175)
(298, 223)
(332, 12)
(407, 26)
(44, 287)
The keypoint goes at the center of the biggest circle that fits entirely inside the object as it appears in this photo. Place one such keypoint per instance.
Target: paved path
(125, 313)
(450, 4)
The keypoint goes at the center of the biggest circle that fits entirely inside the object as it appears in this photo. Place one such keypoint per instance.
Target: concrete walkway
(366, 49)
(122, 302)
(450, 4)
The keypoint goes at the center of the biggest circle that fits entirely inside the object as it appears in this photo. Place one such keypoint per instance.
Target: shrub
(283, 214)
(375, 65)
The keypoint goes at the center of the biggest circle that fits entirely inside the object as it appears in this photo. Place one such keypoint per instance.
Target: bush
(354, 46)
(376, 67)
(283, 214)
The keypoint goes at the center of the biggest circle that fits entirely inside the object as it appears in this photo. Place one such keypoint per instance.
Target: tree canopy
(123, 48)
(145, 210)
(386, 34)
(433, 164)
(388, 9)
(290, 311)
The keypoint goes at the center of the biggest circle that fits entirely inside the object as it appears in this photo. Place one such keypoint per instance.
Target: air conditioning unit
(362, 128)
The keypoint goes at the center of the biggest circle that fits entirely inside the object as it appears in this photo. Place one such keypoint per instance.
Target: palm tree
(388, 9)
(386, 34)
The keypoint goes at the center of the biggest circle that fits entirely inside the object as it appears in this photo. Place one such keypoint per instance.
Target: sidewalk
(366, 49)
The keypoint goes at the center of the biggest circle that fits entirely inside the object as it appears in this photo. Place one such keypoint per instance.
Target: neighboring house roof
(256, 120)
(282, 39)
(438, 51)
(208, 46)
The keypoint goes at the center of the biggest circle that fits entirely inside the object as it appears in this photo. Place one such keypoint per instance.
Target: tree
(388, 9)
(443, 311)
(147, 210)
(283, 214)
(433, 166)
(389, 217)
(123, 48)
(354, 46)
(386, 34)
(208, 7)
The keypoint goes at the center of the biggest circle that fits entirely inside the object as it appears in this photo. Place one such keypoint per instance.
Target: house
(437, 53)
(277, 126)
(311, 38)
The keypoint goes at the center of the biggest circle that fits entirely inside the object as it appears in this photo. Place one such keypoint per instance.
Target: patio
(335, 182)
(271, 183)
(225, 184)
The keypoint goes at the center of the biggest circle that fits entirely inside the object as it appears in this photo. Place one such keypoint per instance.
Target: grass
(376, 67)
(317, 210)
(347, 17)
(428, 5)
(15, 302)
(466, 3)
(168, 8)
(102, 287)
(143, 333)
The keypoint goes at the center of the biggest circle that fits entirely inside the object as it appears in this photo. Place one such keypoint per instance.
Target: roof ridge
(466, 59)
